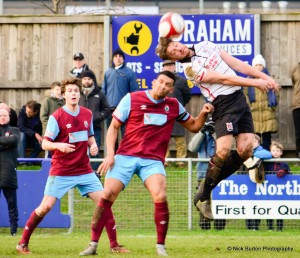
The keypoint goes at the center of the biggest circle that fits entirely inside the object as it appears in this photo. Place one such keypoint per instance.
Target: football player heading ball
(212, 69)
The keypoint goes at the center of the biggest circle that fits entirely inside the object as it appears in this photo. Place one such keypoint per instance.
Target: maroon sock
(101, 214)
(30, 226)
(161, 218)
(110, 227)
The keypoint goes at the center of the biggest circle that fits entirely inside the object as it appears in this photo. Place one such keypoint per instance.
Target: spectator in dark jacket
(79, 65)
(30, 126)
(183, 94)
(9, 138)
(93, 99)
(13, 118)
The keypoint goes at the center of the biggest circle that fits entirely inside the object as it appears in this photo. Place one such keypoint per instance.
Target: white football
(171, 25)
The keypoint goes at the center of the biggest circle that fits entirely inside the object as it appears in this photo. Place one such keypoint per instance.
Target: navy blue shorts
(232, 115)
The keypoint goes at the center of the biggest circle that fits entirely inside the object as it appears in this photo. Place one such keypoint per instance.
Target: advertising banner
(239, 198)
(137, 36)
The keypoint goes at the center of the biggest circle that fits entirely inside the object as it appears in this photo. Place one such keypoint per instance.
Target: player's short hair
(161, 49)
(277, 145)
(168, 74)
(69, 81)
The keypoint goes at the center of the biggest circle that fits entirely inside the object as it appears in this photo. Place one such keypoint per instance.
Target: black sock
(231, 165)
(212, 174)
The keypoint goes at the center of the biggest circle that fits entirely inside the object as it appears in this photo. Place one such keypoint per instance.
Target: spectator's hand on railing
(281, 173)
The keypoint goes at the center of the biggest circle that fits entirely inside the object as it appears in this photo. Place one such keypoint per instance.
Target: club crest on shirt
(167, 108)
(86, 124)
(6, 134)
(229, 127)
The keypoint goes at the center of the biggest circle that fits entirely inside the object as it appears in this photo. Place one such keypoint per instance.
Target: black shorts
(232, 115)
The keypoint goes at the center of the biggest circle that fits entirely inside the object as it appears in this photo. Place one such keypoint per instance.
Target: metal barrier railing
(190, 188)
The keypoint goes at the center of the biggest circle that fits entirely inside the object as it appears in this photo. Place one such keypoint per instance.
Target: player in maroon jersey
(68, 135)
(149, 117)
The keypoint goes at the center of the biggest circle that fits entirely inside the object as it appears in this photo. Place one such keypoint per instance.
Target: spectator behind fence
(30, 126)
(213, 70)
(79, 65)
(280, 169)
(142, 152)
(13, 117)
(296, 106)
(204, 143)
(69, 134)
(263, 106)
(92, 98)
(118, 81)
(256, 172)
(254, 164)
(9, 139)
(183, 94)
(51, 102)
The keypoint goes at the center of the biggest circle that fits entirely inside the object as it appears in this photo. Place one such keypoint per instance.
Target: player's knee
(159, 196)
(223, 153)
(246, 152)
(42, 210)
(109, 195)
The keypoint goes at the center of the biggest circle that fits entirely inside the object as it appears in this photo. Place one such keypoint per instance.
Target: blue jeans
(26, 141)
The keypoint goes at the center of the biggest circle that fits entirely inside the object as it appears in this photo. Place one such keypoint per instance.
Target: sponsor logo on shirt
(68, 125)
(143, 107)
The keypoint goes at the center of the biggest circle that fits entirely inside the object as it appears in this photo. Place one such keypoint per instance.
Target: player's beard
(87, 89)
(160, 94)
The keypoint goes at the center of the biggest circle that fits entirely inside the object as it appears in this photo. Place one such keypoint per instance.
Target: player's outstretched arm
(195, 124)
(249, 70)
(213, 77)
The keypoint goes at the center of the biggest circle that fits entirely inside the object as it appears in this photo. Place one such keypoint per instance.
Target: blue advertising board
(29, 195)
(239, 198)
(137, 36)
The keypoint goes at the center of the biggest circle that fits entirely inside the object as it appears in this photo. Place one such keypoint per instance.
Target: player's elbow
(194, 129)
